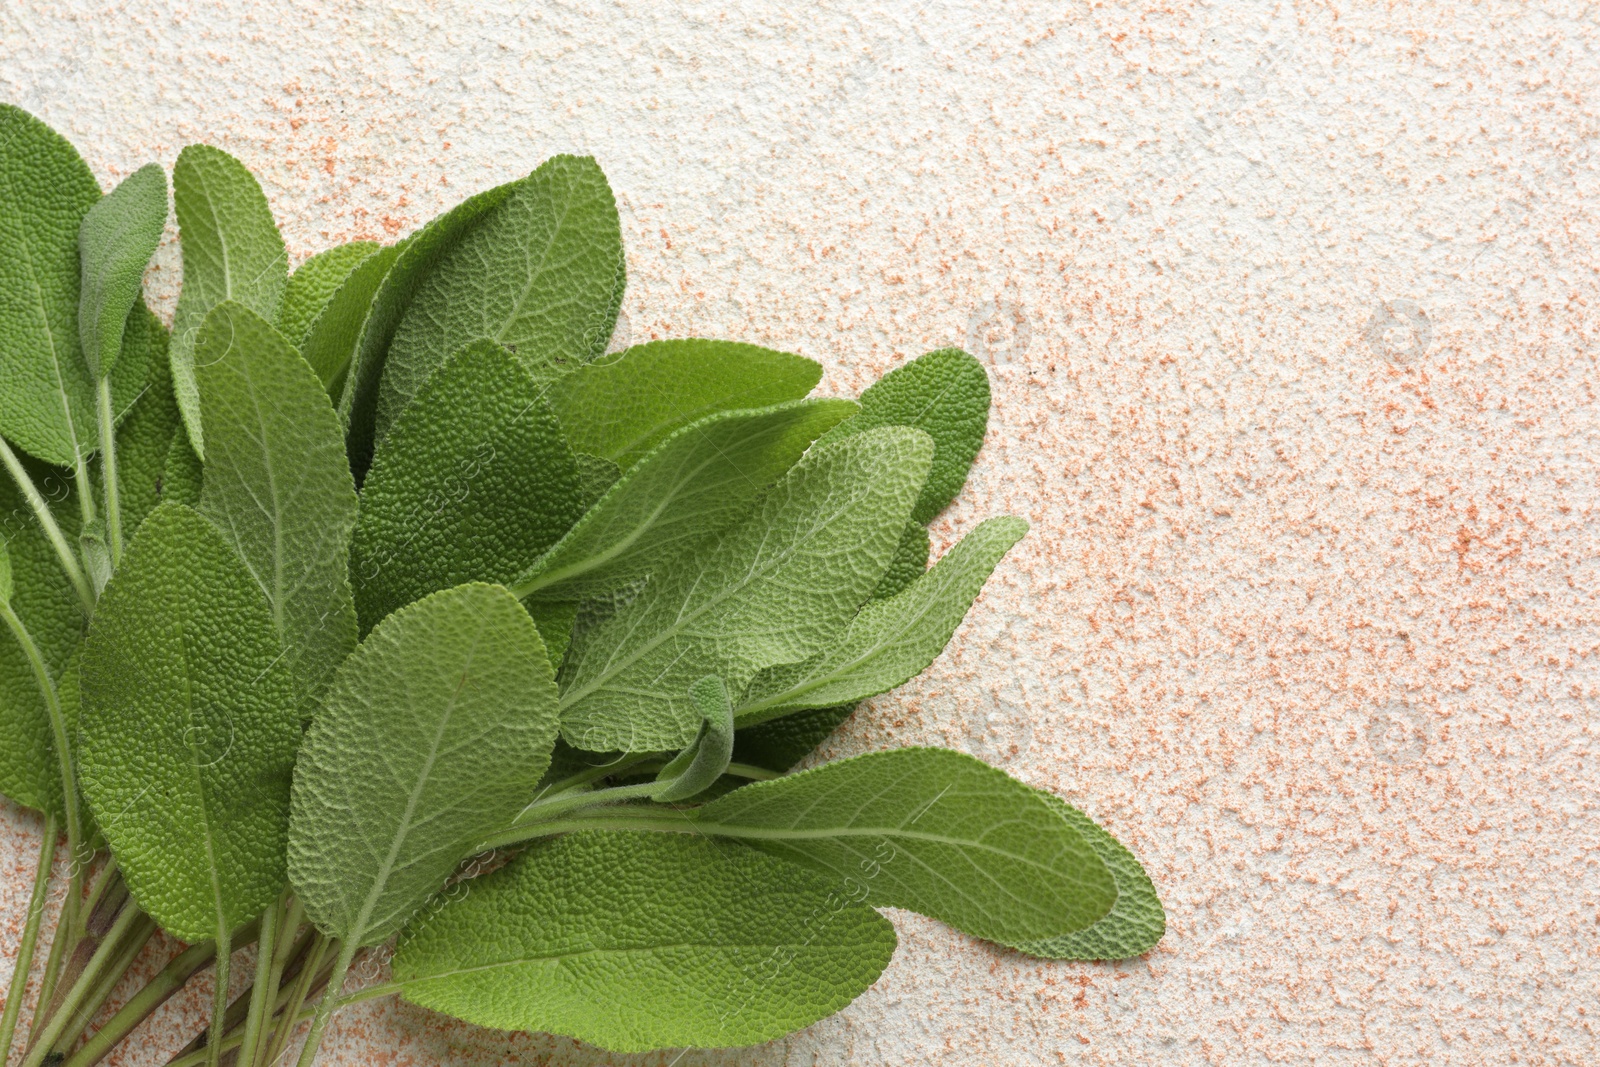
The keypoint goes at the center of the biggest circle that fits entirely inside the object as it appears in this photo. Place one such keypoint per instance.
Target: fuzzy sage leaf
(277, 485)
(1135, 922)
(433, 733)
(622, 407)
(116, 239)
(542, 275)
(231, 251)
(690, 487)
(188, 728)
(944, 393)
(702, 763)
(47, 402)
(891, 641)
(776, 588)
(641, 941)
(313, 284)
(474, 483)
(950, 837)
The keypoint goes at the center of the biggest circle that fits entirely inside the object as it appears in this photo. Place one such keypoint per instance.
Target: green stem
(47, 520)
(132, 946)
(108, 470)
(297, 996)
(58, 728)
(233, 1041)
(30, 938)
(219, 997)
(261, 993)
(668, 820)
(540, 810)
(172, 978)
(61, 946)
(326, 1006)
(103, 883)
(592, 774)
(86, 981)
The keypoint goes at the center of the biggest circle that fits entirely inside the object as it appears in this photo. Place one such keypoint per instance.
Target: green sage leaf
(1135, 922)
(45, 601)
(231, 251)
(946, 394)
(313, 284)
(777, 587)
(543, 276)
(891, 641)
(47, 403)
(690, 487)
(622, 407)
(278, 486)
(433, 735)
(183, 475)
(116, 239)
(330, 339)
(934, 831)
(415, 261)
(909, 563)
(473, 483)
(641, 941)
(189, 727)
(779, 744)
(144, 433)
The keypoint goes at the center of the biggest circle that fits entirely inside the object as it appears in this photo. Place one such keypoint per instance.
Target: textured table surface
(1292, 315)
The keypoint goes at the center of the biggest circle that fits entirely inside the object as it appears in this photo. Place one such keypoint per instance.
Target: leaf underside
(935, 831)
(776, 588)
(277, 485)
(231, 251)
(643, 941)
(432, 736)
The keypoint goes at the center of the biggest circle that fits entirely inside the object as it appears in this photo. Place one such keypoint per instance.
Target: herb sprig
(384, 573)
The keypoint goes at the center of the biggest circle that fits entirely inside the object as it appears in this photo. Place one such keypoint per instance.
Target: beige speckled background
(1292, 310)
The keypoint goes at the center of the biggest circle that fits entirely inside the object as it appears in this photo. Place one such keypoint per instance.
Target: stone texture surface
(1291, 313)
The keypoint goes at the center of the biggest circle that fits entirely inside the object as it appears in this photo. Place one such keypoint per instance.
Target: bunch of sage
(376, 576)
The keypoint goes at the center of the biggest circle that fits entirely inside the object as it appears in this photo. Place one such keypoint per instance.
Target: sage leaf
(891, 641)
(48, 607)
(183, 475)
(278, 487)
(636, 941)
(595, 476)
(690, 487)
(47, 403)
(116, 239)
(1135, 922)
(620, 408)
(934, 831)
(433, 734)
(330, 339)
(543, 275)
(188, 729)
(909, 563)
(777, 587)
(144, 433)
(944, 393)
(418, 255)
(313, 284)
(779, 744)
(702, 763)
(231, 251)
(473, 484)
(555, 621)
